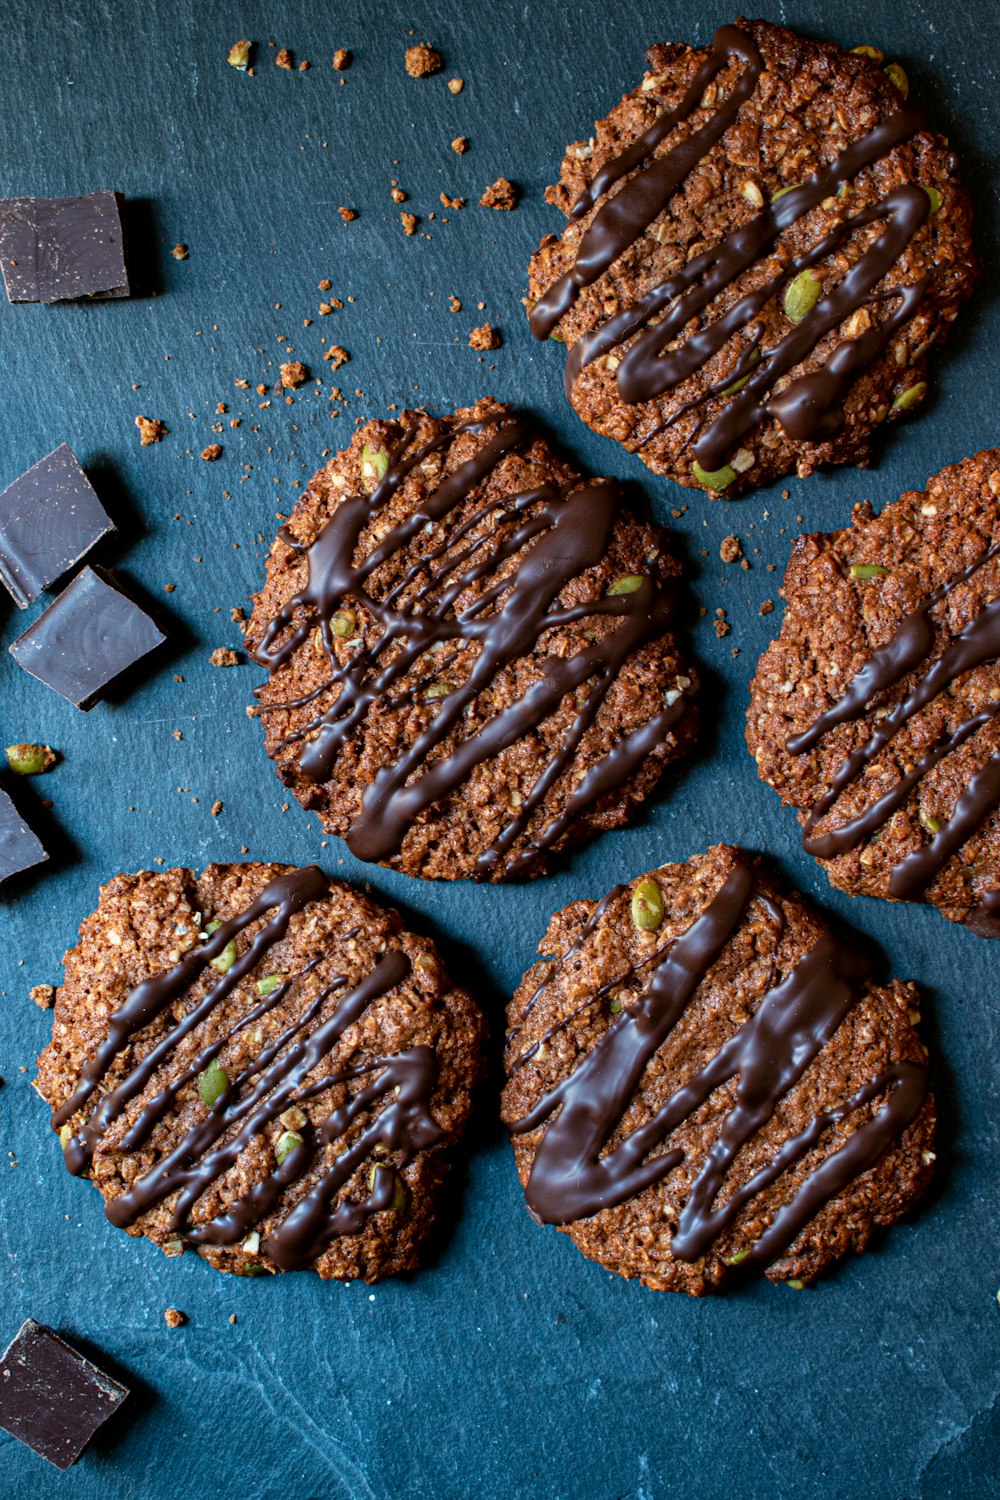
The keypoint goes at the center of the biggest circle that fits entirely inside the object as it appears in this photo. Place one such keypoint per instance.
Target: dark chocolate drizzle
(810, 407)
(909, 645)
(574, 1174)
(256, 1097)
(558, 532)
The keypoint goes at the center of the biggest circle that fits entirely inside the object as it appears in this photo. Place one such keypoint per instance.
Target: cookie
(471, 649)
(875, 711)
(704, 1082)
(260, 1064)
(763, 241)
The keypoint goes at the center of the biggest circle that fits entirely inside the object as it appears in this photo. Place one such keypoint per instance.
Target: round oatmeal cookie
(261, 1065)
(763, 242)
(875, 712)
(471, 648)
(705, 1082)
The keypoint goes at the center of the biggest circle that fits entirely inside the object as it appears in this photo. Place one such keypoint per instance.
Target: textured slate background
(510, 1367)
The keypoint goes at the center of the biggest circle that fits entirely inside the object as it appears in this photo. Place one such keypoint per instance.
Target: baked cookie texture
(763, 242)
(703, 1081)
(259, 1063)
(471, 648)
(875, 712)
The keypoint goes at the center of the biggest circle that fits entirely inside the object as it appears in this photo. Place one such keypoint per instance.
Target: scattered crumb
(293, 374)
(216, 809)
(180, 252)
(283, 59)
(499, 194)
(720, 623)
(325, 285)
(460, 144)
(452, 202)
(175, 1318)
(409, 222)
(485, 337)
(454, 304)
(767, 607)
(422, 60)
(211, 453)
(456, 85)
(397, 195)
(232, 1316)
(337, 356)
(341, 60)
(224, 656)
(347, 214)
(43, 995)
(151, 430)
(168, 588)
(730, 551)
(303, 66)
(239, 55)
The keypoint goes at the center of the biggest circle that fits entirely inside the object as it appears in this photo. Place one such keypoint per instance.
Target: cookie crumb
(43, 995)
(341, 60)
(485, 337)
(500, 194)
(216, 808)
(347, 214)
(283, 59)
(180, 252)
(151, 430)
(175, 1318)
(397, 195)
(730, 551)
(767, 607)
(409, 222)
(293, 374)
(224, 656)
(239, 55)
(454, 304)
(211, 453)
(423, 60)
(456, 85)
(720, 623)
(452, 202)
(460, 145)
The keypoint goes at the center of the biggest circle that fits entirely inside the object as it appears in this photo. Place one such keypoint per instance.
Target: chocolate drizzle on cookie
(577, 1173)
(555, 532)
(810, 406)
(906, 649)
(253, 1100)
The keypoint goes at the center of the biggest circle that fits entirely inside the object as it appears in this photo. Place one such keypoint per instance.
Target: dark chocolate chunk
(49, 519)
(19, 848)
(57, 249)
(89, 635)
(51, 1397)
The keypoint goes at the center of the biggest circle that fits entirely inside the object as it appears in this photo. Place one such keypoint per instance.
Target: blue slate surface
(509, 1367)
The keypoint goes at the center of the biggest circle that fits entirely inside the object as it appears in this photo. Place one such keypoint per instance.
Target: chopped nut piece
(730, 551)
(341, 59)
(422, 60)
(175, 1318)
(409, 222)
(485, 337)
(211, 453)
(347, 214)
(283, 59)
(460, 144)
(239, 55)
(224, 656)
(500, 194)
(151, 430)
(293, 374)
(180, 252)
(767, 607)
(456, 85)
(43, 995)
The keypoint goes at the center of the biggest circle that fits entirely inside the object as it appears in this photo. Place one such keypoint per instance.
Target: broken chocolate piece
(86, 638)
(58, 249)
(49, 519)
(19, 848)
(51, 1398)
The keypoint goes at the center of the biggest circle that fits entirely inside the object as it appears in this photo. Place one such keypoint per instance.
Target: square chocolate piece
(51, 1397)
(59, 249)
(86, 638)
(49, 519)
(19, 848)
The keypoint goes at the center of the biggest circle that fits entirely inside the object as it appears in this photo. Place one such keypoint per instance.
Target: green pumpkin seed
(374, 463)
(375, 1176)
(222, 962)
(801, 295)
(737, 385)
(933, 825)
(65, 1136)
(437, 690)
(868, 570)
(911, 397)
(647, 906)
(864, 50)
(782, 191)
(897, 75)
(713, 479)
(213, 1083)
(737, 1256)
(269, 984)
(287, 1143)
(628, 584)
(29, 760)
(343, 623)
(935, 198)
(795, 1284)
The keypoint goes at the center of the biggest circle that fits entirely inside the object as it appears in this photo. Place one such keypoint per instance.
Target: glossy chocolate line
(559, 533)
(810, 408)
(277, 1076)
(570, 1179)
